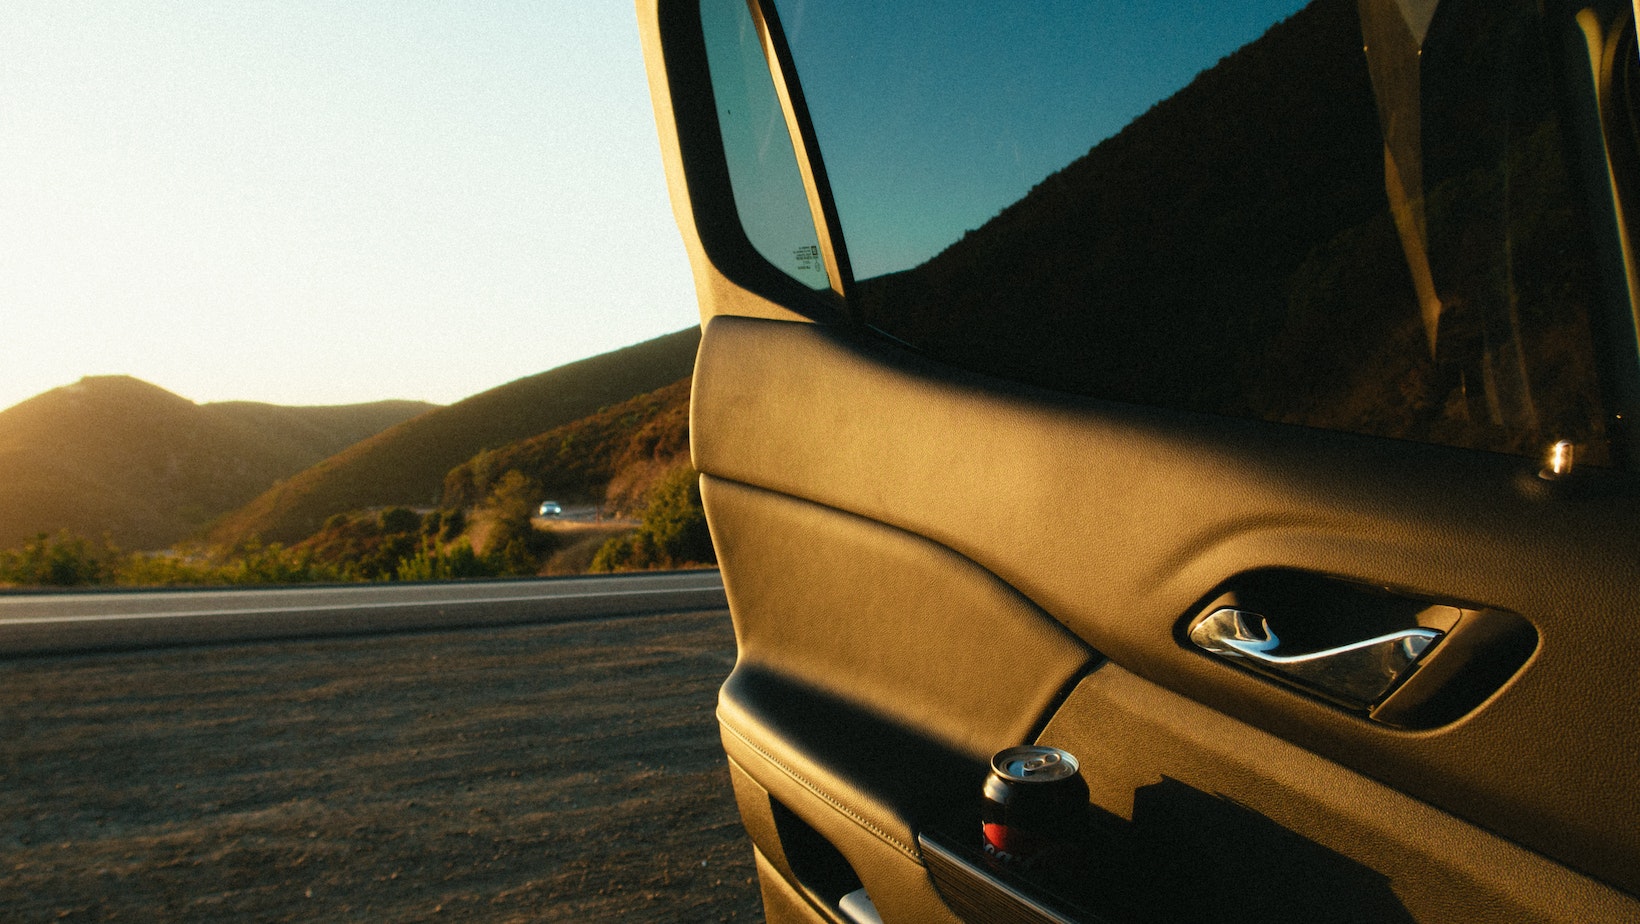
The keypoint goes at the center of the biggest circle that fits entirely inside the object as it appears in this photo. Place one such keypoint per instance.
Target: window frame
(1601, 161)
(706, 180)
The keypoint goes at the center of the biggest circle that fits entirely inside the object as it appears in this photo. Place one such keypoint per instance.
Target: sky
(307, 202)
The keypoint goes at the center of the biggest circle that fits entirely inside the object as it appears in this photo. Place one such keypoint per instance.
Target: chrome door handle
(1356, 675)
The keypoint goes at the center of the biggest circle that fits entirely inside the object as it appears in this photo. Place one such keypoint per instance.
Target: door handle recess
(1356, 675)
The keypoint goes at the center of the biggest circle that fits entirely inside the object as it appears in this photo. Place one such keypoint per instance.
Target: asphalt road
(69, 622)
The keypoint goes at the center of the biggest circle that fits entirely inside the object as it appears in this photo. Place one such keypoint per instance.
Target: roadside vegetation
(500, 539)
(622, 468)
(672, 534)
(409, 465)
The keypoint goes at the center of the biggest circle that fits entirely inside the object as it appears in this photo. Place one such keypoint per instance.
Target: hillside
(320, 432)
(1232, 250)
(610, 456)
(407, 463)
(117, 455)
(1174, 237)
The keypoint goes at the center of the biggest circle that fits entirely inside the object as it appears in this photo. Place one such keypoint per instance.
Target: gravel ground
(542, 773)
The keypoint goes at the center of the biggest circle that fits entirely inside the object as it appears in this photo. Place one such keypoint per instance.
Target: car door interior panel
(1286, 482)
(797, 535)
(1302, 838)
(885, 710)
(925, 630)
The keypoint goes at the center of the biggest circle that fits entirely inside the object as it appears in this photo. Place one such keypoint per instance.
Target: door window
(763, 173)
(1349, 214)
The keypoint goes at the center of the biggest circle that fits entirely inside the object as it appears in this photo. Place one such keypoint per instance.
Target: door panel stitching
(827, 797)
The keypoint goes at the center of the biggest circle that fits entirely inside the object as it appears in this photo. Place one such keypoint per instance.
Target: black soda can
(1033, 805)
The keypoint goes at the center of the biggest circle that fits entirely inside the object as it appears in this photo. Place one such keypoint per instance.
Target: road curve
(49, 623)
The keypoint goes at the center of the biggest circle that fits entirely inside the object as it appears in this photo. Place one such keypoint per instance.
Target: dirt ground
(541, 773)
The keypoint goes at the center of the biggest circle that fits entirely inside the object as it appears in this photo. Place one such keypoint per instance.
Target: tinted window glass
(769, 196)
(1353, 214)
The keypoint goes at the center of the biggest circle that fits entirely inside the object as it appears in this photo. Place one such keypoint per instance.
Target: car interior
(1240, 400)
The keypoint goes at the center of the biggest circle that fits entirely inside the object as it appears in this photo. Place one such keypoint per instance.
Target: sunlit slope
(117, 455)
(609, 457)
(320, 432)
(407, 464)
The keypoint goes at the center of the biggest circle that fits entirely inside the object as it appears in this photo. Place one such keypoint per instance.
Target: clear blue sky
(311, 202)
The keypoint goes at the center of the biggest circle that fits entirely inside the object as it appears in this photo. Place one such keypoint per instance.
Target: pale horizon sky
(315, 203)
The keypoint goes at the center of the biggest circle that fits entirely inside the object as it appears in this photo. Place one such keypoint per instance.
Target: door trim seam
(829, 799)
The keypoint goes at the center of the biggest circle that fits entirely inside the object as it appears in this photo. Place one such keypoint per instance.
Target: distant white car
(549, 509)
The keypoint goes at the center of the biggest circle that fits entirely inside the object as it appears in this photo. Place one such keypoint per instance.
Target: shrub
(455, 523)
(400, 520)
(248, 562)
(514, 558)
(618, 554)
(673, 531)
(675, 521)
(514, 498)
(432, 565)
(462, 562)
(516, 547)
(575, 557)
(275, 564)
(63, 560)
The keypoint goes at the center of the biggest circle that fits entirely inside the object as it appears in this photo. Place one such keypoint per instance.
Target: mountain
(320, 432)
(117, 455)
(407, 463)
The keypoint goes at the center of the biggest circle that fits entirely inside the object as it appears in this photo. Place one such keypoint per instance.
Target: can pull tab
(1040, 763)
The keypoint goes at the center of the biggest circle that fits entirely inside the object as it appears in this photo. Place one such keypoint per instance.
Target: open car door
(1238, 397)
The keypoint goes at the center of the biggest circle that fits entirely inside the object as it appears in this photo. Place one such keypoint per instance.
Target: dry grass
(543, 773)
